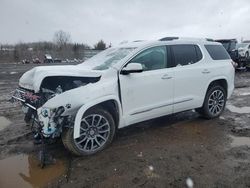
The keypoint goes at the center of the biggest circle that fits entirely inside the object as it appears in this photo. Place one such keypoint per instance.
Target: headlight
(45, 112)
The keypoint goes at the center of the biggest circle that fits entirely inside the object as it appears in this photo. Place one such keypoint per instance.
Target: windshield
(241, 45)
(107, 58)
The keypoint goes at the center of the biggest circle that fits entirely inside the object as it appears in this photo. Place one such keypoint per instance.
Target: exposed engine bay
(54, 85)
(50, 88)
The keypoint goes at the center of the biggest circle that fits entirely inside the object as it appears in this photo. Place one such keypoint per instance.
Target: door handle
(166, 77)
(205, 71)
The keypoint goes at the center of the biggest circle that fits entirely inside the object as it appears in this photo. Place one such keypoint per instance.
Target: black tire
(71, 144)
(208, 109)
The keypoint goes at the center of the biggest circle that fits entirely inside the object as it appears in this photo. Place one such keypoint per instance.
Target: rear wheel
(214, 102)
(96, 133)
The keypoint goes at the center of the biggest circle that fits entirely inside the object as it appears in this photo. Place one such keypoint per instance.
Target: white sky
(118, 20)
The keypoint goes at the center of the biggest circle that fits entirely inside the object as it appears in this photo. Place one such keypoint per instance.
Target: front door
(148, 94)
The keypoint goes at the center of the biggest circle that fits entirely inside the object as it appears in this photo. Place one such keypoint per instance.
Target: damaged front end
(47, 122)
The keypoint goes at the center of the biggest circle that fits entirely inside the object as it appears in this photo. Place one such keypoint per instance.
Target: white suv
(85, 104)
(244, 50)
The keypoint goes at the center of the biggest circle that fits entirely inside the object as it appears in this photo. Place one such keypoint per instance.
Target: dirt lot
(159, 153)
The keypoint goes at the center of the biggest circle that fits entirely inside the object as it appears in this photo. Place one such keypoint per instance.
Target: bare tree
(16, 54)
(61, 38)
(101, 45)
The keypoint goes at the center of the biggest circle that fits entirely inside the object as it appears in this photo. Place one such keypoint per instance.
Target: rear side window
(186, 54)
(198, 53)
(217, 52)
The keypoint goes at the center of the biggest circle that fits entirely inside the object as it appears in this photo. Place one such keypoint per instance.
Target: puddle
(4, 122)
(245, 94)
(23, 171)
(242, 91)
(240, 141)
(240, 110)
(13, 72)
(221, 117)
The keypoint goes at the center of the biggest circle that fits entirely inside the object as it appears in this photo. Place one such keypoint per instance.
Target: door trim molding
(160, 106)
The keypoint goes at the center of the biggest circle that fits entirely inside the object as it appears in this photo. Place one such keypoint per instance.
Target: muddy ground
(159, 153)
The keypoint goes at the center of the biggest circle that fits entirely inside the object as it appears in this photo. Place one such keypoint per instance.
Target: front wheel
(214, 102)
(96, 133)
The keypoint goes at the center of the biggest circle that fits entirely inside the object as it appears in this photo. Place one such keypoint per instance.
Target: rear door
(191, 76)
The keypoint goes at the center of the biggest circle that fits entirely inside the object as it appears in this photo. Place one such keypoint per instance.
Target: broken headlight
(45, 112)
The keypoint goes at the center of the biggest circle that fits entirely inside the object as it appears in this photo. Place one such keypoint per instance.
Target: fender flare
(90, 104)
(212, 80)
(216, 78)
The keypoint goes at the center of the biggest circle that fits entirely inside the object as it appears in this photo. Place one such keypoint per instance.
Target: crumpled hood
(33, 78)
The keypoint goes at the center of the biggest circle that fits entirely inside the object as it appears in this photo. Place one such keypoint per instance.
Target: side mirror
(132, 68)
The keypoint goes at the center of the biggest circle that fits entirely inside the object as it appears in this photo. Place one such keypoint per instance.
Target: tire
(97, 129)
(214, 103)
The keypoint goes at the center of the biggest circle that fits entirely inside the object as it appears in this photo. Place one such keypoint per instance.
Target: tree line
(61, 47)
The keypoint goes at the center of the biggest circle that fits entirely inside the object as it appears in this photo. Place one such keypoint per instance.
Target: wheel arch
(110, 103)
(221, 81)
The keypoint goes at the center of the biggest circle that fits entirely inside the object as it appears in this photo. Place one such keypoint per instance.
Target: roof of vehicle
(225, 40)
(242, 44)
(48, 56)
(246, 43)
(167, 40)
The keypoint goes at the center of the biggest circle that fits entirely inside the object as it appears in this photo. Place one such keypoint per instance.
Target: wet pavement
(239, 110)
(240, 141)
(165, 152)
(24, 171)
(4, 122)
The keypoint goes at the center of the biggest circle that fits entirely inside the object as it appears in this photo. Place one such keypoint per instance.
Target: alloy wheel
(216, 102)
(94, 133)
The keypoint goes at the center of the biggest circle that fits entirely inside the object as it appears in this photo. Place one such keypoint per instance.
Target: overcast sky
(114, 21)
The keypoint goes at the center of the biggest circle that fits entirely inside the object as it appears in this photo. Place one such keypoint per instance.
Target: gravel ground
(163, 152)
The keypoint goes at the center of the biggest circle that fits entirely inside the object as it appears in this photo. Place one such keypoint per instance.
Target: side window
(232, 46)
(198, 53)
(152, 58)
(249, 47)
(186, 54)
(217, 52)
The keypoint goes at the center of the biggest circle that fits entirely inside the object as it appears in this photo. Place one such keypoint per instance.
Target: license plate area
(26, 98)
(18, 96)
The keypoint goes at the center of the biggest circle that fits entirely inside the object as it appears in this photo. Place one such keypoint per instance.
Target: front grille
(28, 98)
(19, 95)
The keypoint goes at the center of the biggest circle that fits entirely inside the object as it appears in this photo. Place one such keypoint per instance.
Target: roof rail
(168, 38)
(210, 40)
(138, 40)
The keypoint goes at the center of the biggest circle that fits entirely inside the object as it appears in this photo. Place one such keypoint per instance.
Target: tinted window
(232, 46)
(226, 45)
(186, 54)
(198, 53)
(152, 58)
(217, 52)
